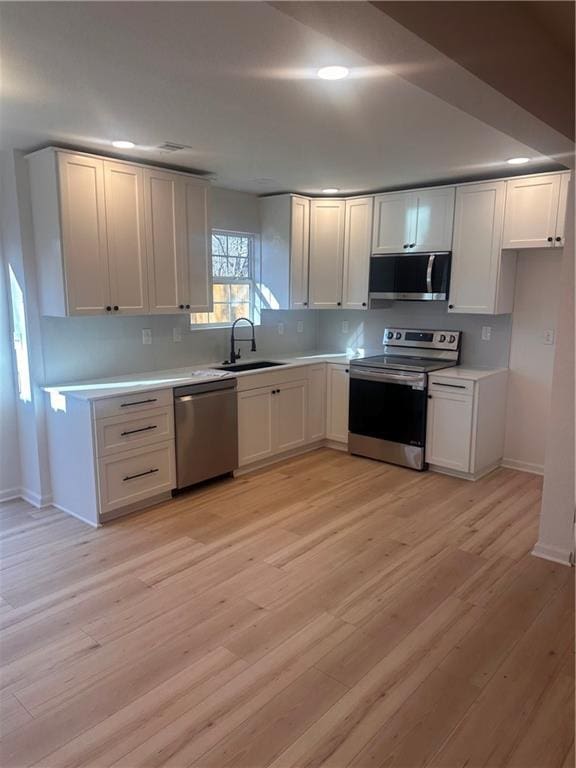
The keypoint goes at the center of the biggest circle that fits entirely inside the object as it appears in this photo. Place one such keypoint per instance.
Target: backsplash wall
(78, 348)
(366, 329)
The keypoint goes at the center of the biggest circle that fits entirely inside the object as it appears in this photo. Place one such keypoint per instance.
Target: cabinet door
(299, 252)
(255, 437)
(85, 248)
(326, 253)
(434, 220)
(449, 431)
(562, 204)
(197, 234)
(168, 284)
(357, 240)
(316, 402)
(290, 411)
(531, 212)
(337, 406)
(124, 185)
(476, 251)
(394, 222)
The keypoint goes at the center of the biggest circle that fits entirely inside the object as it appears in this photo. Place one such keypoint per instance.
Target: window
(234, 266)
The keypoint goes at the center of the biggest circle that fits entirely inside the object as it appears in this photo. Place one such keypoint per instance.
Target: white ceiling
(234, 81)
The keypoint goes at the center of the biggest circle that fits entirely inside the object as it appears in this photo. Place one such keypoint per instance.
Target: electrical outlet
(345, 326)
(486, 333)
(146, 336)
(176, 334)
(300, 326)
(549, 336)
(280, 329)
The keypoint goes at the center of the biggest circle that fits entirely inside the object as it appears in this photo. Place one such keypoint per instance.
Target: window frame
(253, 280)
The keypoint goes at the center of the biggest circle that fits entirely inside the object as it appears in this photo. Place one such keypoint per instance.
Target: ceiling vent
(171, 146)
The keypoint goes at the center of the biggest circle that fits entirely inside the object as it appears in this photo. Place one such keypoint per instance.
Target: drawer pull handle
(139, 402)
(140, 474)
(454, 386)
(134, 431)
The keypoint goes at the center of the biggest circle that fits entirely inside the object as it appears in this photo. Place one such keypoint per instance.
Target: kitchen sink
(249, 366)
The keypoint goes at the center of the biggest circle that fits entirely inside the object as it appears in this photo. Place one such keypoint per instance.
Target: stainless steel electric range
(388, 394)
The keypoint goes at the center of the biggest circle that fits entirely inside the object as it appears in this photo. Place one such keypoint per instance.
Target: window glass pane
(240, 292)
(240, 310)
(222, 313)
(218, 244)
(221, 292)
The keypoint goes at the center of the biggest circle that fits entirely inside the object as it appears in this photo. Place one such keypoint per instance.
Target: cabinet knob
(558, 239)
(363, 303)
(405, 245)
(181, 306)
(412, 245)
(339, 303)
(450, 306)
(108, 309)
(347, 370)
(550, 239)
(187, 306)
(305, 303)
(429, 397)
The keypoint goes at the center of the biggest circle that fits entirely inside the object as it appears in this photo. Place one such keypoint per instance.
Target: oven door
(387, 415)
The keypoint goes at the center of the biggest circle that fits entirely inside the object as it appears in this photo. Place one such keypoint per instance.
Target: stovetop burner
(411, 349)
(404, 363)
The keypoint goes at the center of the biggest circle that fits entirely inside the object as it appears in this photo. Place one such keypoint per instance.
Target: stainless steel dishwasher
(206, 424)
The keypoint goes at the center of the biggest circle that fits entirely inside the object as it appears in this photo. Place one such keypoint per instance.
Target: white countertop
(97, 389)
(467, 373)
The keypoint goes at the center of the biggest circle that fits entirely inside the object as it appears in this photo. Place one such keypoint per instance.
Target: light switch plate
(486, 332)
(280, 329)
(300, 326)
(549, 335)
(146, 336)
(176, 334)
(345, 326)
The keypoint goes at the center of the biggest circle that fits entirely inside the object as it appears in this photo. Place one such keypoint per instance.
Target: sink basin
(250, 366)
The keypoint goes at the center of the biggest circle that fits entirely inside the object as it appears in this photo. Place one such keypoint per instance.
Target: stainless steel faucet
(236, 355)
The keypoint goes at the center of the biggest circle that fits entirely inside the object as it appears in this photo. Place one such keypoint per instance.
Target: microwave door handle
(429, 269)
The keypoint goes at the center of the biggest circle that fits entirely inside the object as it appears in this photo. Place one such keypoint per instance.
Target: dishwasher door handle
(201, 396)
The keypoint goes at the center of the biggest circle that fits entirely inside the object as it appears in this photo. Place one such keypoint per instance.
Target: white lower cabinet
(338, 387)
(271, 419)
(465, 422)
(316, 402)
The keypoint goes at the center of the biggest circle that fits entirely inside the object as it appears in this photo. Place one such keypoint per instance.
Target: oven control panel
(411, 337)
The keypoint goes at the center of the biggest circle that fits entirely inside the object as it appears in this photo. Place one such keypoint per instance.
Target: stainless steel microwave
(410, 277)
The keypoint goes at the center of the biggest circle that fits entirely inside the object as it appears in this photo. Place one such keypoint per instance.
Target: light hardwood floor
(328, 611)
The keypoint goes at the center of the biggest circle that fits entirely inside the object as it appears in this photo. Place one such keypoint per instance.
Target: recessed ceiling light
(123, 144)
(333, 73)
(518, 160)
(330, 190)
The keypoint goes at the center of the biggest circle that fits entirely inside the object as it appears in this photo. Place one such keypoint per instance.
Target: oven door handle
(429, 272)
(416, 380)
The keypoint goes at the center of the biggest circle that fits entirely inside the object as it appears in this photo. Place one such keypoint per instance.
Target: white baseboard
(74, 514)
(555, 554)
(523, 466)
(35, 498)
(9, 494)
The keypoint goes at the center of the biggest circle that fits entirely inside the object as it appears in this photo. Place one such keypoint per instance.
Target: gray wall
(366, 329)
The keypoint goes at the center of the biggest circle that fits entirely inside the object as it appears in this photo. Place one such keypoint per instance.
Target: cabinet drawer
(454, 385)
(133, 403)
(135, 475)
(119, 433)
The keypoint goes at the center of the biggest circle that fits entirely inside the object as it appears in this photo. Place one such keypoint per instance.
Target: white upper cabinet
(535, 211)
(433, 219)
(167, 267)
(326, 253)
(124, 196)
(482, 280)
(299, 245)
(357, 239)
(82, 237)
(285, 240)
(417, 221)
(117, 237)
(197, 246)
(393, 222)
